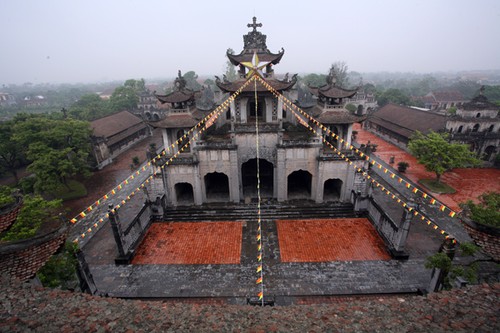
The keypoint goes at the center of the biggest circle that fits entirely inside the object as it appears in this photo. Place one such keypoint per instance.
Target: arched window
(490, 129)
(475, 128)
(460, 128)
(478, 115)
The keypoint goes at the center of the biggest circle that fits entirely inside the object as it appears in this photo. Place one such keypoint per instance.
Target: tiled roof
(276, 84)
(176, 120)
(448, 95)
(479, 102)
(273, 58)
(116, 123)
(176, 96)
(339, 117)
(404, 120)
(332, 91)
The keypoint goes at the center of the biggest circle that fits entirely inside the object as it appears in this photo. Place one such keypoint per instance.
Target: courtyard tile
(329, 240)
(191, 243)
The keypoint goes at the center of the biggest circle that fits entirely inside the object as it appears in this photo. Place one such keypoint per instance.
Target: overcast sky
(103, 40)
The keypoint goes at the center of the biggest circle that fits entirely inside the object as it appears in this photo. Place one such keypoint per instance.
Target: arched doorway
(217, 186)
(249, 178)
(332, 190)
(156, 117)
(488, 152)
(299, 185)
(256, 110)
(184, 194)
(147, 115)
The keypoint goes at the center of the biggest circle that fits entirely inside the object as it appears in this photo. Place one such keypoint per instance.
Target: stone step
(269, 212)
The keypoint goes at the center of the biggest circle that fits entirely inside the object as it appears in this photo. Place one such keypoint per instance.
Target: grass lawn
(436, 187)
(76, 190)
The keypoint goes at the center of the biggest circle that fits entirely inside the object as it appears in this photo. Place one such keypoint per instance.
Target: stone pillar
(234, 179)
(279, 109)
(280, 184)
(117, 229)
(197, 190)
(404, 226)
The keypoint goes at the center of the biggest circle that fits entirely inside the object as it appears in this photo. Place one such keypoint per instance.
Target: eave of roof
(246, 56)
(231, 87)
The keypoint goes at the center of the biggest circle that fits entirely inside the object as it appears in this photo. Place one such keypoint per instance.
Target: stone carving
(180, 82)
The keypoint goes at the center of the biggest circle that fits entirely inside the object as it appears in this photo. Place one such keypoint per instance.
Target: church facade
(221, 164)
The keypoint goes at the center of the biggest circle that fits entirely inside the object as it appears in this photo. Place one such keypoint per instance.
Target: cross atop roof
(254, 25)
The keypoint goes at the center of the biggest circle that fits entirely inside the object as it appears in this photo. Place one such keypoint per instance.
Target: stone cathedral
(220, 165)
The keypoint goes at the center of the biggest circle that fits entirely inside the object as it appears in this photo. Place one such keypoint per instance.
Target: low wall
(8, 215)
(20, 260)
(487, 237)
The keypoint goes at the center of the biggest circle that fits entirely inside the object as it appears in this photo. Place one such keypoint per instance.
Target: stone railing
(20, 260)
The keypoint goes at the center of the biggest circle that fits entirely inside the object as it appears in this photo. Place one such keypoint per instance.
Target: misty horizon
(91, 41)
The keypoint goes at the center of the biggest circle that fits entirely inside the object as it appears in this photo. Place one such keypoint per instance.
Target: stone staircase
(269, 211)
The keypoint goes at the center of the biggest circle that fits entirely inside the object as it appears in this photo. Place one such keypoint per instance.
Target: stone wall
(9, 215)
(22, 259)
(488, 238)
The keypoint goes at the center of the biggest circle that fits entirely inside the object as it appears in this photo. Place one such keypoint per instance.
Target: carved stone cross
(254, 25)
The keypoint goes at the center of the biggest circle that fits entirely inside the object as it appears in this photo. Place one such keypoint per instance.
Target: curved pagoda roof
(480, 102)
(180, 93)
(255, 42)
(331, 90)
(231, 87)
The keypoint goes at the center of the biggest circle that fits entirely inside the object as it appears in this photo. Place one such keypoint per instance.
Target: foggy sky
(102, 40)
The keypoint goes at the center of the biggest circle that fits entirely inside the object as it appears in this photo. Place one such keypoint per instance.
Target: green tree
(392, 96)
(57, 149)
(487, 211)
(314, 80)
(34, 212)
(191, 81)
(124, 98)
(11, 152)
(230, 71)
(438, 155)
(89, 107)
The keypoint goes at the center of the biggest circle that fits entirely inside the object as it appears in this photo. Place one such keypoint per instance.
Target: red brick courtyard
(329, 240)
(299, 241)
(191, 243)
(469, 183)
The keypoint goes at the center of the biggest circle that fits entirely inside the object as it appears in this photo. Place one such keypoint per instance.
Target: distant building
(33, 101)
(7, 99)
(397, 123)
(443, 99)
(114, 134)
(476, 123)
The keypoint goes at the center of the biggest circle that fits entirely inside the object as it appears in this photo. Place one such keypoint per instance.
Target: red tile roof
(176, 120)
(405, 121)
(116, 123)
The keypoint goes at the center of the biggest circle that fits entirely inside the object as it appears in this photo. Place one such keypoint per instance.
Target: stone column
(117, 229)
(280, 185)
(404, 227)
(234, 178)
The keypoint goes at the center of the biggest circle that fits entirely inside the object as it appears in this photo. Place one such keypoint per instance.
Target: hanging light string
(446, 234)
(207, 121)
(345, 143)
(378, 185)
(260, 251)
